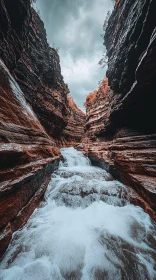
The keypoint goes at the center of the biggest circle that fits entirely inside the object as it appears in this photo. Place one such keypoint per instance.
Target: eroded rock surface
(74, 131)
(27, 158)
(97, 113)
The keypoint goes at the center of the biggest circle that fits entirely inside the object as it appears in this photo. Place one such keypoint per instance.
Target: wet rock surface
(130, 160)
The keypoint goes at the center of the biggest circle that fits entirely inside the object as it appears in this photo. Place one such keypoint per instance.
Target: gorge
(84, 206)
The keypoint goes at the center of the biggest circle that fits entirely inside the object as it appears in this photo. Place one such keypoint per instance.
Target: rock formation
(97, 109)
(34, 112)
(27, 158)
(121, 122)
(74, 131)
(131, 49)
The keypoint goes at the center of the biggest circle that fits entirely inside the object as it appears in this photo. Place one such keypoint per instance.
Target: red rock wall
(74, 131)
(27, 158)
(97, 113)
(122, 123)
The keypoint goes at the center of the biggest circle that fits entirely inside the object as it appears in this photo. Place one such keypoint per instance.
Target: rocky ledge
(131, 159)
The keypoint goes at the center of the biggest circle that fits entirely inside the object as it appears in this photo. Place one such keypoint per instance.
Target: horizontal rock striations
(97, 113)
(27, 158)
(122, 122)
(74, 131)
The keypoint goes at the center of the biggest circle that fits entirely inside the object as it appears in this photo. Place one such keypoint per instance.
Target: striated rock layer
(131, 159)
(27, 158)
(121, 122)
(97, 112)
(74, 131)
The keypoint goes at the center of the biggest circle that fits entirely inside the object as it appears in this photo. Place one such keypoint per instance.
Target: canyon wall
(120, 124)
(34, 112)
(74, 131)
(27, 158)
(97, 112)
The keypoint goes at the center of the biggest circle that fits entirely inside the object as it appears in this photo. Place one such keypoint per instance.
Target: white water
(86, 229)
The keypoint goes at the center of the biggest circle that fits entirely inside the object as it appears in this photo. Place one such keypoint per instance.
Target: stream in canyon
(85, 229)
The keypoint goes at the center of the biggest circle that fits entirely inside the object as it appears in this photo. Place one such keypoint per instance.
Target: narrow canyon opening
(78, 190)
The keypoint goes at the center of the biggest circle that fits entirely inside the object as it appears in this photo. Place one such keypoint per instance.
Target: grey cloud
(75, 27)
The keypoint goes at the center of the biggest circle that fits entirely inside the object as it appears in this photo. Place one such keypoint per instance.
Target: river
(85, 229)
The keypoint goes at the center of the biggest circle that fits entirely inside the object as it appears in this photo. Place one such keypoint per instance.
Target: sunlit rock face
(35, 66)
(125, 118)
(74, 131)
(97, 109)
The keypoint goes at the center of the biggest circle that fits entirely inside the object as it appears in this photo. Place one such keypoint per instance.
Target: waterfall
(85, 229)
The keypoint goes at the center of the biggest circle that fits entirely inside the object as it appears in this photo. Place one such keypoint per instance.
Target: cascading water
(85, 229)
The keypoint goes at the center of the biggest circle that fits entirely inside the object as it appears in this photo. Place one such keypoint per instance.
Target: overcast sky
(75, 27)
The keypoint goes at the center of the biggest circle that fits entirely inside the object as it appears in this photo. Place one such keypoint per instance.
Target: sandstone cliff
(124, 118)
(97, 112)
(74, 131)
(34, 112)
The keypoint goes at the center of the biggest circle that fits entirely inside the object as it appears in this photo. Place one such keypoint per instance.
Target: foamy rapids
(85, 229)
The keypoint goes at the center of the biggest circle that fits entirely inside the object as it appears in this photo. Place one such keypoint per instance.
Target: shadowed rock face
(122, 123)
(130, 40)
